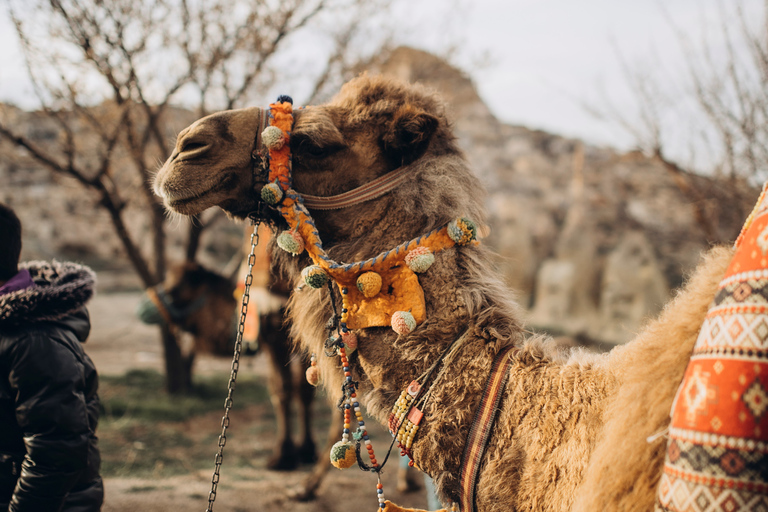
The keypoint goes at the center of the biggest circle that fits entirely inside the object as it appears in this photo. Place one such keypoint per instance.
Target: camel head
(211, 164)
(204, 303)
(374, 125)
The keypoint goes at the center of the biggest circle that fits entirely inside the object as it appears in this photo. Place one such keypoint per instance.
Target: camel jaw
(185, 198)
(189, 187)
(212, 165)
(188, 206)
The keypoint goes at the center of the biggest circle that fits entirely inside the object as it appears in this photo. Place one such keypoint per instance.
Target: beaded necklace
(380, 291)
(403, 422)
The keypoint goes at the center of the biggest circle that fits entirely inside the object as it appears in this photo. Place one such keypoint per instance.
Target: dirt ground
(119, 342)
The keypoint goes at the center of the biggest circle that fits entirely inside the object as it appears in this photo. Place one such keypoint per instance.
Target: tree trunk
(178, 368)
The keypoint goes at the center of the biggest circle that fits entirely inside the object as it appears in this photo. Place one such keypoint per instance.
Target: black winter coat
(49, 458)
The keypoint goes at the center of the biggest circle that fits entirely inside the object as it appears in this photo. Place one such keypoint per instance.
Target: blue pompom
(283, 98)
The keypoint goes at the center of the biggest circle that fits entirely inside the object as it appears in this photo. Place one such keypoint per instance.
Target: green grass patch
(148, 488)
(144, 432)
(140, 394)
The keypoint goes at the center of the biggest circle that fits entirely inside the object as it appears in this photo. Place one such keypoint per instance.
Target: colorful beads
(462, 231)
(291, 241)
(273, 139)
(315, 276)
(403, 322)
(399, 410)
(343, 454)
(403, 421)
(271, 193)
(380, 495)
(419, 259)
(369, 284)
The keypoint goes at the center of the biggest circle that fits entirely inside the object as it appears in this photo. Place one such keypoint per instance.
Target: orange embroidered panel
(718, 437)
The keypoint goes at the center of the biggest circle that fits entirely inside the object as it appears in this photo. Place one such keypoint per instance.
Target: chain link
(235, 367)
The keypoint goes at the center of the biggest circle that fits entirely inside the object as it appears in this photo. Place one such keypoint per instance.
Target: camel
(572, 428)
(209, 299)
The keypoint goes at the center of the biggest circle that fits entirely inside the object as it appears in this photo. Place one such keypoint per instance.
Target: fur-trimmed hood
(61, 288)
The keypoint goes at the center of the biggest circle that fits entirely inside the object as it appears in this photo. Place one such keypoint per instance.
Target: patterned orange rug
(717, 454)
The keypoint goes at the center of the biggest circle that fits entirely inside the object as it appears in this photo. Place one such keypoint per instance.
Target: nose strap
(259, 153)
(258, 144)
(367, 192)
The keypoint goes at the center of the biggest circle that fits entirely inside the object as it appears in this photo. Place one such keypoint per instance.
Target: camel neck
(449, 413)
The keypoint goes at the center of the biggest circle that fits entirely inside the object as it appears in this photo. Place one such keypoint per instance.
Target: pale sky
(533, 61)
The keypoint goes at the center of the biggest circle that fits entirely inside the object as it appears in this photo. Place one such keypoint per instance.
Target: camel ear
(408, 134)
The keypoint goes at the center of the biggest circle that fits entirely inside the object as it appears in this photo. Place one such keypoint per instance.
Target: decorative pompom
(291, 241)
(462, 231)
(313, 375)
(271, 193)
(315, 276)
(343, 454)
(272, 136)
(419, 259)
(403, 322)
(283, 98)
(369, 284)
(350, 341)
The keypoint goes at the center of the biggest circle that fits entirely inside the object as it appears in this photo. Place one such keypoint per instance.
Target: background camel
(213, 311)
(563, 417)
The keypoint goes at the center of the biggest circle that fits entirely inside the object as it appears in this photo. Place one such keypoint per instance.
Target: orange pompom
(313, 375)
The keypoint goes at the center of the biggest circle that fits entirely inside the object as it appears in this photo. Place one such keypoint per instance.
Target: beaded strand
(406, 415)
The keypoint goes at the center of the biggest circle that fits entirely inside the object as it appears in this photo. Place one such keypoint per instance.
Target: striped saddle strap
(482, 425)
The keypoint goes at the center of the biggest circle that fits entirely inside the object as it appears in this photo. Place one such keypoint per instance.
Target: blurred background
(617, 142)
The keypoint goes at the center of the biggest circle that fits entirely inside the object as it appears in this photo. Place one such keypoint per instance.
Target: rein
(235, 367)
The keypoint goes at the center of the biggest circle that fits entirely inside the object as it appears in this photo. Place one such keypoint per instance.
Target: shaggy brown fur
(568, 422)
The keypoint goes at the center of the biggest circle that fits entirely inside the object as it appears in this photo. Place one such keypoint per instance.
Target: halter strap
(482, 426)
(170, 313)
(259, 154)
(370, 190)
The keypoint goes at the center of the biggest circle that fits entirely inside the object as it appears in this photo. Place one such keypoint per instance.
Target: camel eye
(305, 146)
(315, 151)
(191, 146)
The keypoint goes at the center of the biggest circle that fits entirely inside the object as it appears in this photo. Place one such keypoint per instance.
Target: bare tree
(107, 73)
(720, 101)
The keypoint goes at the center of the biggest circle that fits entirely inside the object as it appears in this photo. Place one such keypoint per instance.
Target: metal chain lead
(235, 367)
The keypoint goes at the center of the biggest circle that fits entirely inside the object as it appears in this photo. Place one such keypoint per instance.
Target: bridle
(172, 314)
(367, 192)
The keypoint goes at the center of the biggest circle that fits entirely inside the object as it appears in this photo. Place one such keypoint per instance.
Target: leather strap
(367, 192)
(170, 313)
(481, 429)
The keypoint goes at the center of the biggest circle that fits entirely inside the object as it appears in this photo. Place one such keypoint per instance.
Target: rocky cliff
(591, 240)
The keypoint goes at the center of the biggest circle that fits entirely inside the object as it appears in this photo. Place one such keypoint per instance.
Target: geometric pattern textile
(717, 453)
